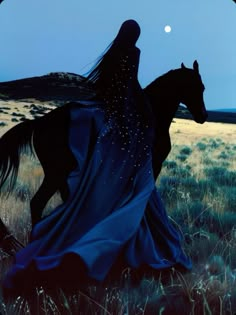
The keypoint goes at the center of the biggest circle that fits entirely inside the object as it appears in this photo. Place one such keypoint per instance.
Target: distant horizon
(39, 37)
(220, 109)
(226, 109)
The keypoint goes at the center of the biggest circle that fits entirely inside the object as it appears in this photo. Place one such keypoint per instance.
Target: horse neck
(164, 96)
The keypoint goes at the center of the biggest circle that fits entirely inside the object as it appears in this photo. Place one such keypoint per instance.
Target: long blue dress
(110, 190)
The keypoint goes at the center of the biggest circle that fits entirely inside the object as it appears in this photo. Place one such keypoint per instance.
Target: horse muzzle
(201, 118)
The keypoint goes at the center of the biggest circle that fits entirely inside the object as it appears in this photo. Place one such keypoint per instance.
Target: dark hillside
(213, 116)
(53, 86)
(64, 86)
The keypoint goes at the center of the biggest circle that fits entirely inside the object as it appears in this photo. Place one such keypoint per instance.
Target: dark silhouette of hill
(213, 115)
(58, 86)
(64, 86)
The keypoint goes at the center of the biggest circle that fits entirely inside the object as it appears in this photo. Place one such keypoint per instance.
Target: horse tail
(8, 243)
(13, 143)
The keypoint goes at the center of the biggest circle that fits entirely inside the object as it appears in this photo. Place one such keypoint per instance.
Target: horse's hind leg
(64, 191)
(40, 199)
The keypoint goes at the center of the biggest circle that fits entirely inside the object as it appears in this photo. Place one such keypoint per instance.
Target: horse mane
(170, 78)
(161, 80)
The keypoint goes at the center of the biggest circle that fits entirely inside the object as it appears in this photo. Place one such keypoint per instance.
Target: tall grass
(199, 193)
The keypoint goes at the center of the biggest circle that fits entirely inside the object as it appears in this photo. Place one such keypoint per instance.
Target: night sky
(38, 37)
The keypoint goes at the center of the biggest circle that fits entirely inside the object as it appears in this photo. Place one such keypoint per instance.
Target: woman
(110, 189)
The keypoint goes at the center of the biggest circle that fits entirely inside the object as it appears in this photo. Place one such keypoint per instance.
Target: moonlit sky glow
(38, 37)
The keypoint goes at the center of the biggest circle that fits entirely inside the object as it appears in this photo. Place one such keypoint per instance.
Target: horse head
(191, 92)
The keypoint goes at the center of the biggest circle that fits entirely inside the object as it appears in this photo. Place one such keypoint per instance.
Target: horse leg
(64, 191)
(40, 199)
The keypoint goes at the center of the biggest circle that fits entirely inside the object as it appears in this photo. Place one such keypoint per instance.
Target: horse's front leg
(64, 191)
(160, 151)
(40, 199)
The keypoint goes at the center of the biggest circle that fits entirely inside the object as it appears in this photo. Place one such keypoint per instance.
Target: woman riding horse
(110, 188)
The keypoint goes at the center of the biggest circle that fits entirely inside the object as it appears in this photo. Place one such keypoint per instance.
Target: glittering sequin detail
(126, 116)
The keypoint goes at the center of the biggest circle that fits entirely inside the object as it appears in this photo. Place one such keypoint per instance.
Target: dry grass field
(198, 186)
(188, 131)
(13, 112)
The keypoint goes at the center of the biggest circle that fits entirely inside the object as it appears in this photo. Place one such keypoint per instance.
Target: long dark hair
(115, 77)
(108, 64)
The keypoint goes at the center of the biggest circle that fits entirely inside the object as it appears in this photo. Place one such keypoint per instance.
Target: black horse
(184, 86)
(47, 136)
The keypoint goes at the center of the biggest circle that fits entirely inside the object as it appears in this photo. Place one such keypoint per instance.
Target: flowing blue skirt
(111, 192)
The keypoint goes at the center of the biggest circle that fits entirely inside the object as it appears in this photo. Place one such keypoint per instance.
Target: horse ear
(183, 66)
(196, 66)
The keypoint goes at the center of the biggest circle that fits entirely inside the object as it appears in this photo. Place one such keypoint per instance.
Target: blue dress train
(111, 191)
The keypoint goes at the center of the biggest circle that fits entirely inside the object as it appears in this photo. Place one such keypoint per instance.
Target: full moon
(167, 29)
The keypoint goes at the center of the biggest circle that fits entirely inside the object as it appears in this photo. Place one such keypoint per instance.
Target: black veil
(115, 79)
